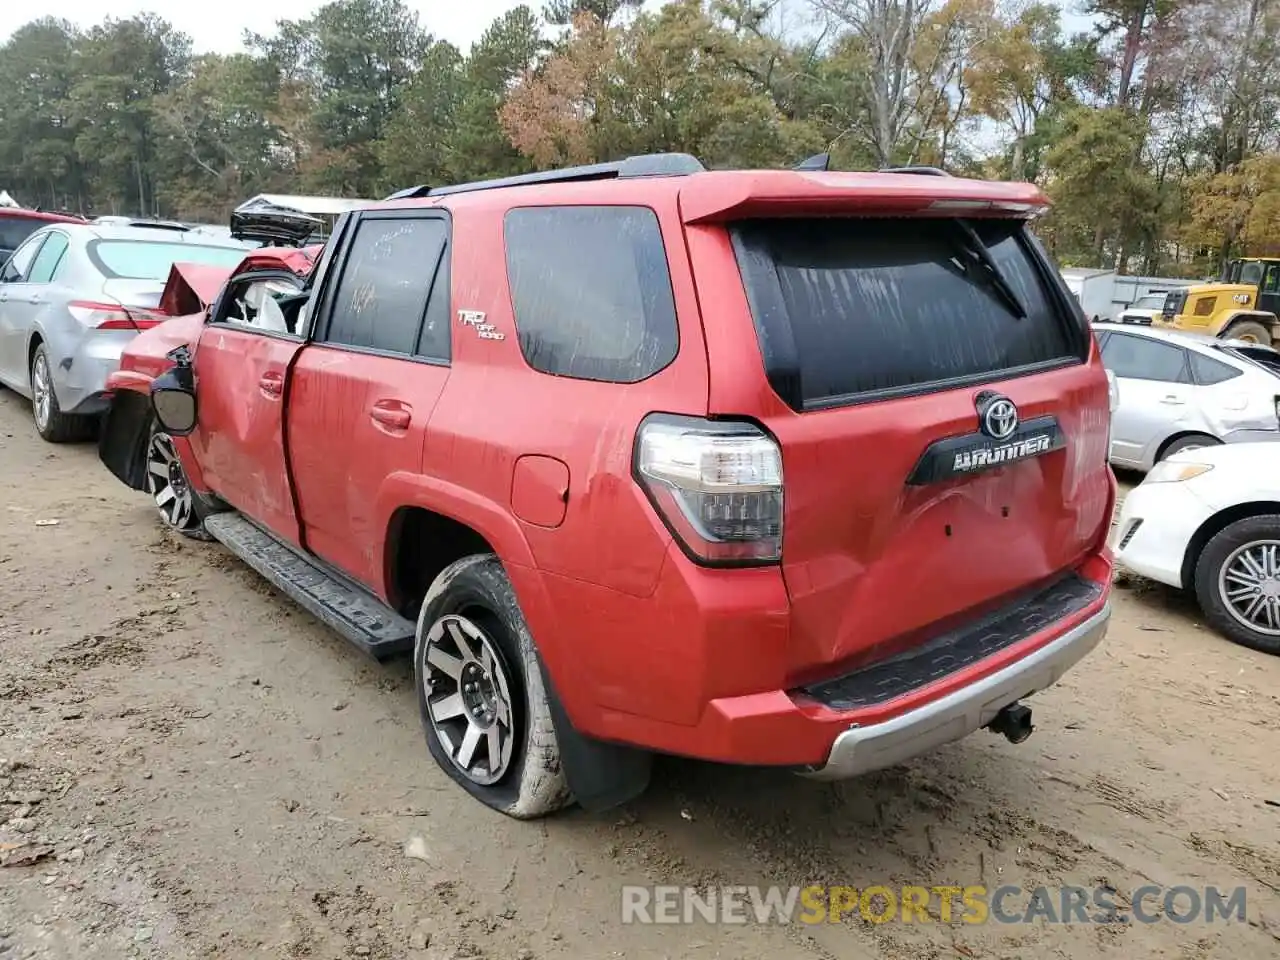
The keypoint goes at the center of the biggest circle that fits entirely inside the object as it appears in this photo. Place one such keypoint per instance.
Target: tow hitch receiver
(1014, 721)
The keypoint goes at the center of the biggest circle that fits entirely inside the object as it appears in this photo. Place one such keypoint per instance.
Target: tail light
(717, 485)
(113, 316)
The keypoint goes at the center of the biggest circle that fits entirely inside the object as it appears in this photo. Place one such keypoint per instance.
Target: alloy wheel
(1249, 585)
(469, 699)
(167, 483)
(41, 390)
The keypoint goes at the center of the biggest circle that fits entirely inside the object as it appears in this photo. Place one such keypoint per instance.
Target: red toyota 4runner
(791, 468)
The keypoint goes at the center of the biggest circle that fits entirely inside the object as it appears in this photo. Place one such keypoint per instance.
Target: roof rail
(644, 165)
(923, 171)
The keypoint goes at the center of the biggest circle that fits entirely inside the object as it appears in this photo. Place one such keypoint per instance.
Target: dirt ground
(205, 771)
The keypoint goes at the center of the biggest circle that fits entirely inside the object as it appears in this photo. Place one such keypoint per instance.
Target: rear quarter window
(848, 309)
(591, 291)
(1208, 371)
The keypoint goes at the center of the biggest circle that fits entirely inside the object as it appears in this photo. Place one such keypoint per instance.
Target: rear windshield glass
(1266, 358)
(856, 308)
(13, 230)
(146, 260)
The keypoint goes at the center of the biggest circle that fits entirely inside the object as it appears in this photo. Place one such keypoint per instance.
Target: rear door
(942, 452)
(1157, 394)
(363, 391)
(17, 312)
(242, 372)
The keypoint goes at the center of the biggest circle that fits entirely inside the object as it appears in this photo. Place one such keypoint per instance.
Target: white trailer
(1093, 288)
(1104, 294)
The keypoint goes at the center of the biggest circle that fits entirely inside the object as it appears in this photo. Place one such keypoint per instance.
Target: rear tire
(480, 693)
(1193, 442)
(1237, 582)
(180, 507)
(1249, 330)
(52, 424)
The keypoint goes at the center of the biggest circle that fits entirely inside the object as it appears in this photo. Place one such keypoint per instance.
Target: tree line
(1156, 132)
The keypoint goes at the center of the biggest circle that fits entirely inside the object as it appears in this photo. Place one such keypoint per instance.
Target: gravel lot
(200, 769)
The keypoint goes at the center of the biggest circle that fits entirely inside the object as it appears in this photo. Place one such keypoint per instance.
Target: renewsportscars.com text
(933, 904)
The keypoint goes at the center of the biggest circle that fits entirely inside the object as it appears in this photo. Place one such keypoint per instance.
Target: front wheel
(1237, 582)
(179, 506)
(484, 708)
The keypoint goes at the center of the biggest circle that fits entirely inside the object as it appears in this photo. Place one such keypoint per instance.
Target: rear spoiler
(718, 197)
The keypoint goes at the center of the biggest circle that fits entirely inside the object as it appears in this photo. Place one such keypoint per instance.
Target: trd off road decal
(476, 320)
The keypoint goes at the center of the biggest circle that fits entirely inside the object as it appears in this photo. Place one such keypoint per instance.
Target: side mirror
(173, 401)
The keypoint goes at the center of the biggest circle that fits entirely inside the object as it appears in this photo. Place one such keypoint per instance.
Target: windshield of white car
(148, 260)
(1153, 302)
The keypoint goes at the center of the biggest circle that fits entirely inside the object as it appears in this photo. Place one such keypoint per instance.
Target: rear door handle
(391, 414)
(1173, 400)
(272, 385)
(35, 298)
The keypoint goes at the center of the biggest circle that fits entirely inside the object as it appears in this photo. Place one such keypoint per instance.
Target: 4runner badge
(1001, 439)
(484, 330)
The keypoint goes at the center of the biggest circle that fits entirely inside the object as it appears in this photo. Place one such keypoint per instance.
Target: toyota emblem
(997, 416)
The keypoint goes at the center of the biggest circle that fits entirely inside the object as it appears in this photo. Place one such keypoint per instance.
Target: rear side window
(48, 260)
(1137, 358)
(1208, 371)
(381, 296)
(591, 291)
(849, 309)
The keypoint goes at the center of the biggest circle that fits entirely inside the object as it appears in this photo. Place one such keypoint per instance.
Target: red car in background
(18, 223)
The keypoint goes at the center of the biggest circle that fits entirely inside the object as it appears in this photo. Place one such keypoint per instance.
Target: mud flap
(600, 775)
(122, 440)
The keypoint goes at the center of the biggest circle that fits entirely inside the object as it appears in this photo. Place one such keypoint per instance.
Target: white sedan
(1179, 391)
(1208, 520)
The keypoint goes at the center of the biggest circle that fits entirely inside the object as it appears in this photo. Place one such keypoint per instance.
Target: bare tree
(887, 29)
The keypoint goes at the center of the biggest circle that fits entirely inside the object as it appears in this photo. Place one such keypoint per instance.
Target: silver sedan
(72, 296)
(1180, 391)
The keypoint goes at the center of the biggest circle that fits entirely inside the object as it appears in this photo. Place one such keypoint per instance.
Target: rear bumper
(836, 728)
(80, 380)
(862, 749)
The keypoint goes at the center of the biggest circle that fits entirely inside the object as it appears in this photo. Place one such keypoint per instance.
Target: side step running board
(349, 609)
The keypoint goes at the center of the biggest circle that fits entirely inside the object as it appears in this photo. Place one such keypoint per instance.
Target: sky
(216, 26)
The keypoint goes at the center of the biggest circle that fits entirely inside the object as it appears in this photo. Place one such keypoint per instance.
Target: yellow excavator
(1243, 305)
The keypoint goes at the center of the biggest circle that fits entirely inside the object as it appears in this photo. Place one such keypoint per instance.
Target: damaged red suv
(790, 468)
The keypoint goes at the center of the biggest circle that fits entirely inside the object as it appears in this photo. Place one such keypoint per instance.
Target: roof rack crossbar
(922, 170)
(645, 165)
